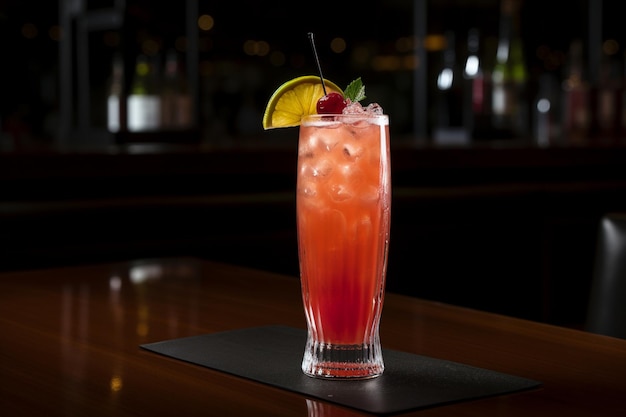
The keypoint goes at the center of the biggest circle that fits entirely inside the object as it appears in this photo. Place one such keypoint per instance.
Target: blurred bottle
(115, 105)
(546, 124)
(575, 88)
(476, 108)
(606, 100)
(448, 125)
(144, 100)
(509, 77)
(175, 98)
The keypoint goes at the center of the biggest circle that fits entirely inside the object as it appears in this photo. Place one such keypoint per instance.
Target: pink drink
(343, 210)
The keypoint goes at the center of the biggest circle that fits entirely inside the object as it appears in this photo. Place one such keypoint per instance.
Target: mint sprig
(355, 91)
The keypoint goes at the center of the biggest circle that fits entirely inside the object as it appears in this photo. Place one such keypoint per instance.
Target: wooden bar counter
(70, 346)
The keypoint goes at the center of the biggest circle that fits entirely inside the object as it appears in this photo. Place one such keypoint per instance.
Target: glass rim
(375, 118)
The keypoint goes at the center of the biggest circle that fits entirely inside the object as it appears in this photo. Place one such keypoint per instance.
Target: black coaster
(272, 355)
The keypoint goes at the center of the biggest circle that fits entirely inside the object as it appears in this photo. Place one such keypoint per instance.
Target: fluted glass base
(324, 360)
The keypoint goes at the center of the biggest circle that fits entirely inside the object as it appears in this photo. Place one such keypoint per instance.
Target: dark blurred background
(243, 50)
(499, 180)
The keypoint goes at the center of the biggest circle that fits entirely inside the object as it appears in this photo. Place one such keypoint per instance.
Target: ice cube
(305, 150)
(326, 142)
(352, 150)
(322, 168)
(316, 168)
(340, 192)
(307, 189)
(350, 173)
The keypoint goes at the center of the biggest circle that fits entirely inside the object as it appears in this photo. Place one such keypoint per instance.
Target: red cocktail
(343, 214)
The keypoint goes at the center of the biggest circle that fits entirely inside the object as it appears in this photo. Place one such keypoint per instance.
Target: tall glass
(343, 214)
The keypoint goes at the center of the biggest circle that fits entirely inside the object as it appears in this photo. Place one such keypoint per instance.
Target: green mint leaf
(355, 91)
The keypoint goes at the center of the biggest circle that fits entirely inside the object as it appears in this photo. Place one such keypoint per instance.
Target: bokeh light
(338, 45)
(206, 22)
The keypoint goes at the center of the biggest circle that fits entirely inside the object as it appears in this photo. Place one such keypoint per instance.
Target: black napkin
(272, 355)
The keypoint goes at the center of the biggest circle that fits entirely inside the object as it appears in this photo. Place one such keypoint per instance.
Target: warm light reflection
(258, 48)
(140, 275)
(338, 45)
(142, 324)
(435, 43)
(249, 47)
(74, 329)
(206, 22)
(386, 63)
(116, 383)
(574, 81)
(117, 336)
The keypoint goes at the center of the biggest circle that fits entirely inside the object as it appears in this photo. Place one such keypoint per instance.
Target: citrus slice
(294, 99)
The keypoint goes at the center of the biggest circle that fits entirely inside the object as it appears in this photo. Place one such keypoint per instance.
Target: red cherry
(331, 103)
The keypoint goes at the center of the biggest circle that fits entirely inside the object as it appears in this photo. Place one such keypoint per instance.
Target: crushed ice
(357, 108)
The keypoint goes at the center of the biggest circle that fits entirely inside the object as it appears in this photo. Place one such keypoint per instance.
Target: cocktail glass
(343, 217)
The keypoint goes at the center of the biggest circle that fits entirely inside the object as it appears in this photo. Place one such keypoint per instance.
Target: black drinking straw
(317, 61)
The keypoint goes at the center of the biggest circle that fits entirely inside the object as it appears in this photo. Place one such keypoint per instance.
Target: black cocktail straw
(317, 61)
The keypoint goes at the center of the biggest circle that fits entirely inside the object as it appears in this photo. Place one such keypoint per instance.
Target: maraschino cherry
(329, 103)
